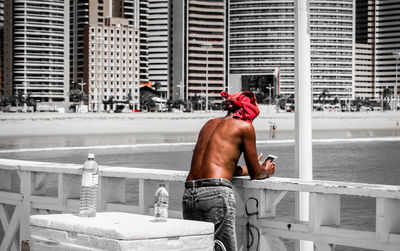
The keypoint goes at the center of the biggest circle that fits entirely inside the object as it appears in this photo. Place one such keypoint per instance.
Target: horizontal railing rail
(28, 187)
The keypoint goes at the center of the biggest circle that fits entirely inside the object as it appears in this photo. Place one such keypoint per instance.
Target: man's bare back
(218, 148)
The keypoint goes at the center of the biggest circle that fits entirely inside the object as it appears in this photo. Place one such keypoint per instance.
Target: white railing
(28, 188)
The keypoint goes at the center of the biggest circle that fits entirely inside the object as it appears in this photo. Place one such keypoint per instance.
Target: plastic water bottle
(89, 188)
(161, 203)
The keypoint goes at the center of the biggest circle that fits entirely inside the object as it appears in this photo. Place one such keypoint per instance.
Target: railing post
(69, 186)
(388, 222)
(325, 211)
(260, 204)
(26, 207)
(146, 195)
(111, 190)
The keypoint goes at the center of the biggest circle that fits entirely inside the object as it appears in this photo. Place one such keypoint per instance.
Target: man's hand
(267, 165)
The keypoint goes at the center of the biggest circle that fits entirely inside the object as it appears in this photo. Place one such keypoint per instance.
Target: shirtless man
(208, 192)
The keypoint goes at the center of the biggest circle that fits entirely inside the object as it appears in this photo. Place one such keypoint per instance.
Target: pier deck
(29, 188)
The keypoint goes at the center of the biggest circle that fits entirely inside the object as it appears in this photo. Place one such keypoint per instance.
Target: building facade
(205, 49)
(159, 45)
(364, 71)
(365, 50)
(261, 42)
(387, 47)
(36, 47)
(112, 65)
(82, 14)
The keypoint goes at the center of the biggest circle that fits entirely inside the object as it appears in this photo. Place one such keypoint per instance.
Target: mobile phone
(270, 157)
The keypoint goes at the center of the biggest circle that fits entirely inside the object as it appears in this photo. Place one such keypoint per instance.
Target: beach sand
(37, 124)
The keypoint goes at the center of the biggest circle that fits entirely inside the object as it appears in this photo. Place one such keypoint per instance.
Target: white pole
(303, 146)
(395, 87)
(207, 80)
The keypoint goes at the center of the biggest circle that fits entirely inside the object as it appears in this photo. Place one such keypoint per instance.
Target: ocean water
(363, 158)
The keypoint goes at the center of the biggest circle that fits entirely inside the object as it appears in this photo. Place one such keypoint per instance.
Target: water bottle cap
(91, 156)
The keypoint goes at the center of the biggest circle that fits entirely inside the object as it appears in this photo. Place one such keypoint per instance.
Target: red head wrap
(243, 105)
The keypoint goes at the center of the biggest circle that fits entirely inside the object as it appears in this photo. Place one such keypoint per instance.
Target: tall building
(112, 64)
(137, 12)
(143, 26)
(205, 52)
(105, 51)
(332, 47)
(1, 46)
(364, 80)
(261, 42)
(364, 71)
(387, 46)
(158, 45)
(82, 14)
(36, 46)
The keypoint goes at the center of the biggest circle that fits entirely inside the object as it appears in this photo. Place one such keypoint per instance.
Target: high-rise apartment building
(387, 46)
(158, 45)
(82, 14)
(205, 50)
(112, 64)
(332, 26)
(36, 46)
(143, 26)
(364, 71)
(1, 46)
(261, 42)
(105, 51)
(364, 80)
(137, 12)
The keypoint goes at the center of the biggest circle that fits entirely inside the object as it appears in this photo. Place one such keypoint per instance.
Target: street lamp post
(397, 57)
(25, 96)
(207, 46)
(81, 84)
(181, 92)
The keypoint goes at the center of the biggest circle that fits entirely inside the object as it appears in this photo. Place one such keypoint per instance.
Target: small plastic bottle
(161, 204)
(89, 188)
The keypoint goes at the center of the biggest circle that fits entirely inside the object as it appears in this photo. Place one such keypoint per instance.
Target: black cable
(245, 206)
(249, 226)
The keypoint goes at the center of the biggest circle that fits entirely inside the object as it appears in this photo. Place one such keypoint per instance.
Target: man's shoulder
(241, 124)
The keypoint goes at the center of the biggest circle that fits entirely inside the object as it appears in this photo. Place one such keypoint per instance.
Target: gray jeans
(212, 200)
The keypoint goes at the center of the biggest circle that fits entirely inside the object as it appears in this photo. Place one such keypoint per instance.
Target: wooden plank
(326, 210)
(143, 173)
(25, 209)
(45, 200)
(12, 229)
(54, 207)
(5, 224)
(36, 166)
(141, 196)
(387, 218)
(323, 186)
(327, 234)
(349, 237)
(10, 198)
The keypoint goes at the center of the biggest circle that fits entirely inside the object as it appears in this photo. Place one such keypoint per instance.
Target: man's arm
(242, 170)
(255, 169)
